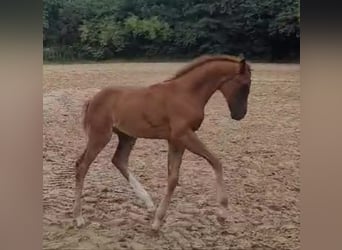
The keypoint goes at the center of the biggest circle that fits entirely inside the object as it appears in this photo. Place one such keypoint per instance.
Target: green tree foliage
(265, 29)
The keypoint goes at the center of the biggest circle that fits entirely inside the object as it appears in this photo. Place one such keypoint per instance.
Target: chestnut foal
(172, 110)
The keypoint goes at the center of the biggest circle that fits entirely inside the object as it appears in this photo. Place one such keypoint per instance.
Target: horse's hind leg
(96, 142)
(120, 160)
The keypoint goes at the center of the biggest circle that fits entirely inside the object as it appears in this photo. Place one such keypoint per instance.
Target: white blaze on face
(140, 191)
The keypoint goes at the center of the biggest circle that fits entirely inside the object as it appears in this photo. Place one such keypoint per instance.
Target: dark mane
(203, 60)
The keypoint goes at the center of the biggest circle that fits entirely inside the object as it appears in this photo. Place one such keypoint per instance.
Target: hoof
(155, 226)
(151, 209)
(221, 215)
(80, 221)
(221, 220)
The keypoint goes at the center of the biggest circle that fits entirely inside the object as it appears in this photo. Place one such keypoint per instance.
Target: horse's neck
(202, 84)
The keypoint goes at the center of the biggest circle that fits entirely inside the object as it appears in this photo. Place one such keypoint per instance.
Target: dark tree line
(109, 29)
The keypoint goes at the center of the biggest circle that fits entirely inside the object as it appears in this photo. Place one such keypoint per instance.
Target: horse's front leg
(194, 145)
(175, 155)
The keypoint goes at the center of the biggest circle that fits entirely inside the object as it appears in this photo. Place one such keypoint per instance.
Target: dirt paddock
(260, 155)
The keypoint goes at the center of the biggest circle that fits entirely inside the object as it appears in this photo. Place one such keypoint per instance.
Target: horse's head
(236, 91)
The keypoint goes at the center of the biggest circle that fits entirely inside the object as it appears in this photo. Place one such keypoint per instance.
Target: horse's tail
(85, 115)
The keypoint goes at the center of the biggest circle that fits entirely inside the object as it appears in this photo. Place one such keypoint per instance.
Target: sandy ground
(260, 155)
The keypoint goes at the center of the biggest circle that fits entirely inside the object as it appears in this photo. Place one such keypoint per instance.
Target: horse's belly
(141, 129)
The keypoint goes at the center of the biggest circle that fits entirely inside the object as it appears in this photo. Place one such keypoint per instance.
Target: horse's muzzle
(237, 117)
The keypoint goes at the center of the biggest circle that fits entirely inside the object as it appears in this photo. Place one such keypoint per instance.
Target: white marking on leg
(140, 191)
(80, 221)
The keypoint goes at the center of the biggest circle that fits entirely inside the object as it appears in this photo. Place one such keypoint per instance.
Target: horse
(172, 110)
